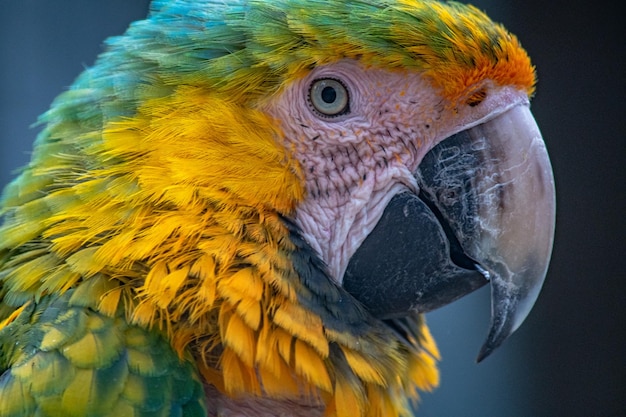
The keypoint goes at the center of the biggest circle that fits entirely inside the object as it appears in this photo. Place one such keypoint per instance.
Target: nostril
(476, 98)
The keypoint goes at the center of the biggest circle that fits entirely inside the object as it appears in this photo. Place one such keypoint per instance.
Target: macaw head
(283, 186)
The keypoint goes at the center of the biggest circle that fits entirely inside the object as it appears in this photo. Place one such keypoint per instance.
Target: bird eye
(329, 97)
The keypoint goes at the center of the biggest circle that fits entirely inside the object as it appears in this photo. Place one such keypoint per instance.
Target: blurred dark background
(569, 357)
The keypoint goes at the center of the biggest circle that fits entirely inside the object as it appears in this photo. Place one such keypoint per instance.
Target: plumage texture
(158, 206)
(68, 358)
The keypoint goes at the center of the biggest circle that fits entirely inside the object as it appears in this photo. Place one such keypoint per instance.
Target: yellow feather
(240, 338)
(310, 365)
(423, 372)
(29, 275)
(271, 353)
(13, 316)
(250, 312)
(212, 376)
(238, 378)
(364, 367)
(349, 401)
(152, 283)
(427, 342)
(284, 386)
(169, 285)
(115, 249)
(244, 283)
(380, 404)
(110, 301)
(59, 279)
(144, 314)
(277, 377)
(303, 324)
(204, 270)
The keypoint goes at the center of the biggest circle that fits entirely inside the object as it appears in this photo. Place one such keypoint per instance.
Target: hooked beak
(485, 213)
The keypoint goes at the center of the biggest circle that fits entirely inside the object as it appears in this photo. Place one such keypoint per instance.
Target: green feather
(63, 359)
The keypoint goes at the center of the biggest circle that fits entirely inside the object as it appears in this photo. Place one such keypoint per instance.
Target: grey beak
(485, 213)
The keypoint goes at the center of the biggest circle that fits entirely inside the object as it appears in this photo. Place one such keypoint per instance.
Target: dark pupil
(329, 95)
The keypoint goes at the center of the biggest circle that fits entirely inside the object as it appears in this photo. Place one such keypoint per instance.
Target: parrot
(246, 208)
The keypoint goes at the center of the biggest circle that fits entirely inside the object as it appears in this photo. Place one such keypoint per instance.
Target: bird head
(283, 186)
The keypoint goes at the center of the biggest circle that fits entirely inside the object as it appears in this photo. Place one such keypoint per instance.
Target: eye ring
(329, 97)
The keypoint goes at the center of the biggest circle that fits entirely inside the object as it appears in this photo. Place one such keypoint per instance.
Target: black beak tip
(491, 344)
(502, 326)
(486, 350)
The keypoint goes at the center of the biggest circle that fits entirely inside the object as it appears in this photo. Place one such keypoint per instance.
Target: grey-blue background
(568, 359)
